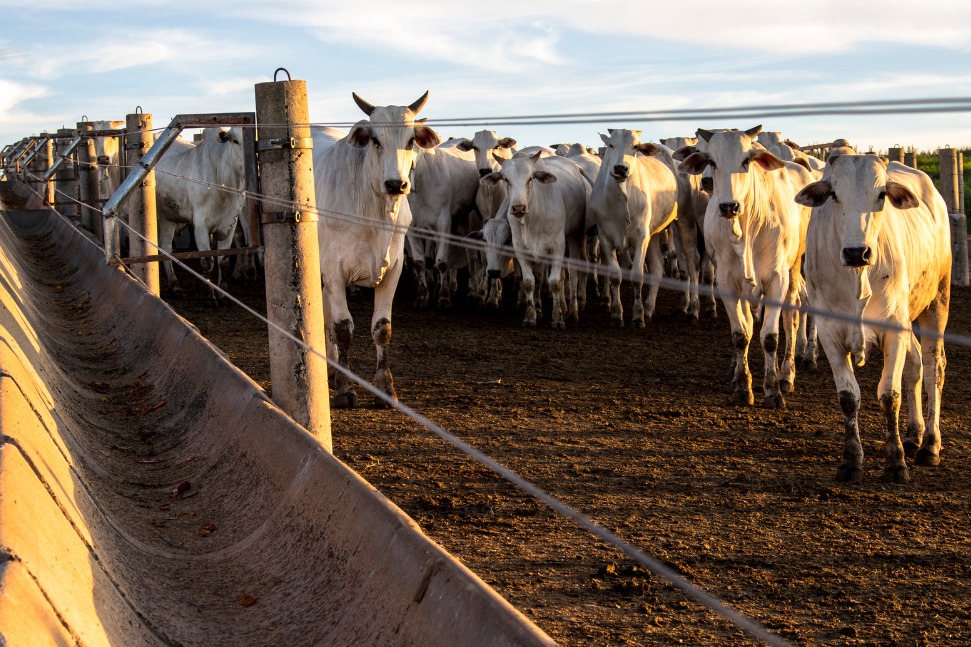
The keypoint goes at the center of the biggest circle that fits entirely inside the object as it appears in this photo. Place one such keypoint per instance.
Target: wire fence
(641, 558)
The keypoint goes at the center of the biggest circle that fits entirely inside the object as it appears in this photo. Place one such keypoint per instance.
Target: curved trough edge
(89, 551)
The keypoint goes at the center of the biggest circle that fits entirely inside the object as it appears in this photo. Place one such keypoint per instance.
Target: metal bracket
(293, 143)
(281, 217)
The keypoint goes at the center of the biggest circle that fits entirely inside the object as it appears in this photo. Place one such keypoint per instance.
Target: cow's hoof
(381, 403)
(774, 401)
(895, 474)
(559, 325)
(927, 458)
(445, 304)
(616, 323)
(910, 449)
(806, 363)
(691, 317)
(639, 324)
(529, 324)
(345, 400)
(785, 386)
(849, 473)
(741, 397)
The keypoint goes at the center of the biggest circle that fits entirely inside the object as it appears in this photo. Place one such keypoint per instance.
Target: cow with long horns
(362, 182)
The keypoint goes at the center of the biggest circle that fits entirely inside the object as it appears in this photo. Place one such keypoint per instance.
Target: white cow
(635, 196)
(755, 234)
(445, 184)
(217, 159)
(879, 248)
(547, 214)
(366, 176)
(499, 256)
(690, 234)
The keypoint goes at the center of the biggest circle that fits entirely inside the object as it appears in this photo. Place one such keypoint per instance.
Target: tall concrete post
(66, 179)
(952, 184)
(142, 214)
(89, 181)
(294, 299)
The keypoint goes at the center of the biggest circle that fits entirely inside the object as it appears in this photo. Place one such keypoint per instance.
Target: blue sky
(60, 60)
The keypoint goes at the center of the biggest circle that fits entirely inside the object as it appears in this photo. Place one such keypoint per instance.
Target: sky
(63, 60)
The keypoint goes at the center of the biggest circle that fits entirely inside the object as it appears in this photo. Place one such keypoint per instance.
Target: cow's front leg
(777, 288)
(637, 279)
(529, 292)
(381, 335)
(655, 267)
(894, 355)
(740, 318)
(612, 280)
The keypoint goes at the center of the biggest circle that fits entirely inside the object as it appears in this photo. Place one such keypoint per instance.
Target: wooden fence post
(294, 298)
(142, 215)
(895, 154)
(951, 190)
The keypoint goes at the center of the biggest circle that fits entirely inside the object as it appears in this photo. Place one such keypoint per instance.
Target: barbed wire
(640, 557)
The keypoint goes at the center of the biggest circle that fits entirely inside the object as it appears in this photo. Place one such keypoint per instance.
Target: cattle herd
(741, 215)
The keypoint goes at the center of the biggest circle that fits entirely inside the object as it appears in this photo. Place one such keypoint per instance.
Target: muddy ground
(635, 429)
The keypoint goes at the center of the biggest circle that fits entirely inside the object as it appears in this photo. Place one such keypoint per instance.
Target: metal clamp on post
(293, 143)
(288, 217)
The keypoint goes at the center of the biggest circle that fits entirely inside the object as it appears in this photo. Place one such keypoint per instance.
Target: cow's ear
(465, 146)
(426, 137)
(475, 235)
(815, 194)
(605, 138)
(791, 144)
(507, 142)
(360, 135)
(695, 163)
(704, 134)
(803, 163)
(491, 179)
(766, 160)
(544, 177)
(753, 132)
(647, 149)
(900, 196)
(682, 153)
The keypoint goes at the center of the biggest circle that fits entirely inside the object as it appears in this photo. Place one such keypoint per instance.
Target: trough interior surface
(151, 494)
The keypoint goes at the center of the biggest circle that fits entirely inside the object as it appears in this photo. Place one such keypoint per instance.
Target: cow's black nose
(484, 172)
(857, 256)
(395, 187)
(729, 209)
(620, 171)
(494, 274)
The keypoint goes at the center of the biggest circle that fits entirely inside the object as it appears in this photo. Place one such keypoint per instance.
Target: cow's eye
(745, 164)
(410, 144)
(882, 195)
(377, 144)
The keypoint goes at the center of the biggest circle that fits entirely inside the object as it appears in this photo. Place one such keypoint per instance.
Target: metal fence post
(142, 215)
(89, 176)
(294, 299)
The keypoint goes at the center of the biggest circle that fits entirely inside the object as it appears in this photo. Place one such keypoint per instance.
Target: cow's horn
(362, 104)
(418, 105)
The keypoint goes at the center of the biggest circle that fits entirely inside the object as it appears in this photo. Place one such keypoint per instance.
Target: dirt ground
(635, 429)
